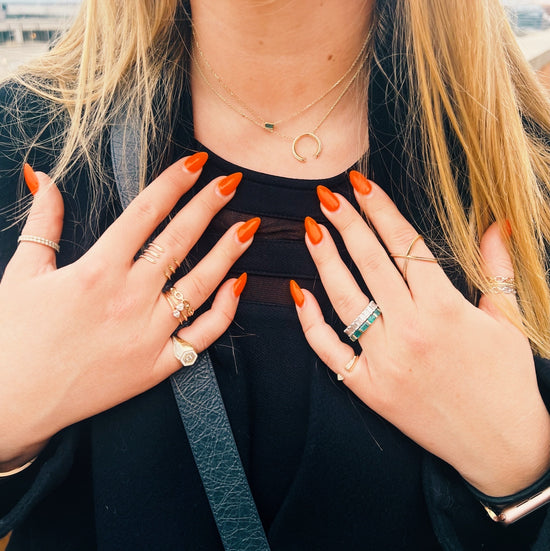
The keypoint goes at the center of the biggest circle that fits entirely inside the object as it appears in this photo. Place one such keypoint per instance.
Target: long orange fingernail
(313, 230)
(360, 183)
(229, 184)
(196, 161)
(297, 294)
(327, 198)
(30, 178)
(238, 286)
(248, 229)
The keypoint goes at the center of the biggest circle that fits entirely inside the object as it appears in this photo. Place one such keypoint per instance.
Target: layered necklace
(237, 104)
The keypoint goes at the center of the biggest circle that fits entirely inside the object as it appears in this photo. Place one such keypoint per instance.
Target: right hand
(78, 340)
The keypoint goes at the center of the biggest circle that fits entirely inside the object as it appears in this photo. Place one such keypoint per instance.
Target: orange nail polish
(360, 183)
(508, 227)
(297, 294)
(313, 230)
(327, 198)
(229, 184)
(248, 229)
(30, 178)
(196, 161)
(238, 286)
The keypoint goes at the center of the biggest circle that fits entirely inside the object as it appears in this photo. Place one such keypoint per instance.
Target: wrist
(21, 460)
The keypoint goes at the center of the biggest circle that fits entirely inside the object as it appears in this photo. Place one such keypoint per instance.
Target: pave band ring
(500, 284)
(407, 256)
(363, 321)
(181, 309)
(40, 240)
(184, 352)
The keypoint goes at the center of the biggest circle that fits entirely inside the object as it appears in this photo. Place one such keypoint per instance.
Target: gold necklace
(271, 127)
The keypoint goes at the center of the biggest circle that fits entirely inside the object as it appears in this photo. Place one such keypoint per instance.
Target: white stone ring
(184, 352)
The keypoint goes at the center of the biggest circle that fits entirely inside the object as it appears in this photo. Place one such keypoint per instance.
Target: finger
(202, 280)
(327, 345)
(497, 264)
(383, 279)
(126, 235)
(176, 240)
(45, 221)
(343, 291)
(205, 329)
(424, 277)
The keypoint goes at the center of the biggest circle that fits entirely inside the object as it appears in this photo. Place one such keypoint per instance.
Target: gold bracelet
(18, 469)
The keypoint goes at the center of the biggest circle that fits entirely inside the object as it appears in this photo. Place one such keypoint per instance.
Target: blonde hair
(468, 84)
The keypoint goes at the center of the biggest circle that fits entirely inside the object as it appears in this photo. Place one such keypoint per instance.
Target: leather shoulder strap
(200, 404)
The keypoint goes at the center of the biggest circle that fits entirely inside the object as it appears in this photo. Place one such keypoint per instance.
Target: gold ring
(181, 309)
(152, 253)
(500, 284)
(184, 351)
(348, 367)
(40, 240)
(407, 256)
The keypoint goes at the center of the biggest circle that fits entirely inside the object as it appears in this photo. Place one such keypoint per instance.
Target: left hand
(457, 379)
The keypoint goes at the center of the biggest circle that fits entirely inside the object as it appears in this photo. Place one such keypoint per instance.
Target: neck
(277, 56)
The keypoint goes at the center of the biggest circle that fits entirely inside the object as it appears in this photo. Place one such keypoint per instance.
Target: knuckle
(174, 240)
(370, 261)
(348, 304)
(198, 288)
(403, 237)
(146, 210)
(415, 340)
(91, 272)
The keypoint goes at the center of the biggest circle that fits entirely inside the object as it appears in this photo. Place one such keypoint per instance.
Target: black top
(326, 472)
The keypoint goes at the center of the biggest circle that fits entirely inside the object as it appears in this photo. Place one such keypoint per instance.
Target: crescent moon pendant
(306, 135)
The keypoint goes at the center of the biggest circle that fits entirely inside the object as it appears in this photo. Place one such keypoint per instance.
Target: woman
(389, 442)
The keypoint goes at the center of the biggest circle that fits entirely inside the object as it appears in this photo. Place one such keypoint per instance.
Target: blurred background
(27, 27)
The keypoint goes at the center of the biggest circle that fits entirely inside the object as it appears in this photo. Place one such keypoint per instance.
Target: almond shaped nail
(195, 162)
(327, 198)
(238, 286)
(361, 184)
(229, 184)
(297, 294)
(30, 178)
(313, 230)
(248, 229)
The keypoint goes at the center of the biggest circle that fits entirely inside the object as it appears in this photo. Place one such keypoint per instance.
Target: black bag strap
(200, 403)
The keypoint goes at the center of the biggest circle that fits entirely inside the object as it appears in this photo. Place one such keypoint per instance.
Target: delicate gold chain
(256, 119)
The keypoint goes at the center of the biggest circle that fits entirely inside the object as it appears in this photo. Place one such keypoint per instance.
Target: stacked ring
(152, 253)
(181, 309)
(500, 284)
(363, 321)
(171, 270)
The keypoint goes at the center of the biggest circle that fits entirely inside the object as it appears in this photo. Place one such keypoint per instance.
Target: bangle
(17, 469)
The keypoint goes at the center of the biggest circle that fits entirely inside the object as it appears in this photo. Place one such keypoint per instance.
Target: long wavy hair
(464, 88)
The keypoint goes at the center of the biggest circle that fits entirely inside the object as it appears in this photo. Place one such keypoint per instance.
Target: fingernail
(196, 161)
(361, 184)
(508, 227)
(327, 198)
(248, 229)
(229, 184)
(297, 294)
(313, 230)
(238, 286)
(30, 178)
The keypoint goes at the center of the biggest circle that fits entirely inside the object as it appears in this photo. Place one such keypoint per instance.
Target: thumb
(35, 253)
(499, 270)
